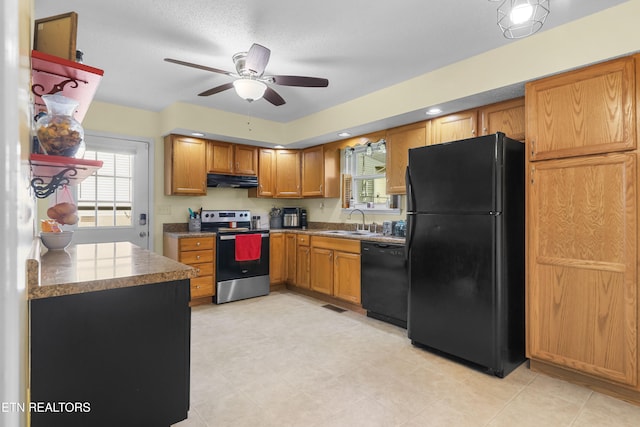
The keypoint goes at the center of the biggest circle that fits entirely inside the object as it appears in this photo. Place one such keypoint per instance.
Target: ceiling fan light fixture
(249, 89)
(521, 18)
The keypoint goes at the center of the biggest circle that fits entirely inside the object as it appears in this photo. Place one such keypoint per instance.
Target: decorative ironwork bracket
(43, 189)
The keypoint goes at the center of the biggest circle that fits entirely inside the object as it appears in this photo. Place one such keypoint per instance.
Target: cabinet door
(506, 117)
(219, 157)
(346, 276)
(399, 141)
(313, 171)
(290, 258)
(456, 126)
(287, 173)
(185, 172)
(322, 270)
(276, 258)
(303, 262)
(582, 292)
(587, 111)
(266, 174)
(246, 160)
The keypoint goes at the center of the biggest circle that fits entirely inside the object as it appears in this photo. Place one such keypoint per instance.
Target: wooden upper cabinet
(287, 176)
(245, 160)
(506, 117)
(233, 159)
(582, 292)
(219, 157)
(321, 171)
(453, 127)
(184, 166)
(266, 174)
(399, 141)
(586, 111)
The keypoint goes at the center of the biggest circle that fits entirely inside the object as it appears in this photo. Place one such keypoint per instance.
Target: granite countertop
(99, 266)
(373, 237)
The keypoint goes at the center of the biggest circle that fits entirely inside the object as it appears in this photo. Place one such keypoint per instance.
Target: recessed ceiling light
(344, 134)
(279, 146)
(433, 111)
(197, 134)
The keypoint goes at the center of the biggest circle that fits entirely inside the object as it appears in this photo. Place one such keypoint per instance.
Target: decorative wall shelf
(51, 74)
(51, 172)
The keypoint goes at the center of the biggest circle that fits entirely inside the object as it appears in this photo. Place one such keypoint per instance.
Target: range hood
(231, 181)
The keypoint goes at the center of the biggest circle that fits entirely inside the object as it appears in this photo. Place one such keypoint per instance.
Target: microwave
(294, 218)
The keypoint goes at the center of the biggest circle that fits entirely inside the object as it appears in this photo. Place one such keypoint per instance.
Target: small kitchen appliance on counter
(242, 255)
(292, 217)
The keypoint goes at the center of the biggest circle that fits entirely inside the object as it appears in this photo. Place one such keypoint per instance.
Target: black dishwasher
(385, 284)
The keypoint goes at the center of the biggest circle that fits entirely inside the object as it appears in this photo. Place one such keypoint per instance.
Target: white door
(113, 204)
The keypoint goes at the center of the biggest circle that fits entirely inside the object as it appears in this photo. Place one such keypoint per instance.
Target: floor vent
(334, 308)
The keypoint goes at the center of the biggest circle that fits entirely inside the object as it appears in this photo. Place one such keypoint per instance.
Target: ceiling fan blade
(216, 89)
(273, 97)
(200, 67)
(257, 58)
(300, 81)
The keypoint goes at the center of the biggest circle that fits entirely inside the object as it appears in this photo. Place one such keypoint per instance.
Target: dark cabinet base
(114, 357)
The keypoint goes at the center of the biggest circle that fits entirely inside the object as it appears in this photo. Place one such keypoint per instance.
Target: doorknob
(143, 234)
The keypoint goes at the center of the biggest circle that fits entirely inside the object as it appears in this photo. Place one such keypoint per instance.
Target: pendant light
(521, 18)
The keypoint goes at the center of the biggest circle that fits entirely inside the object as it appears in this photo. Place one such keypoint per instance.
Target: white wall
(16, 227)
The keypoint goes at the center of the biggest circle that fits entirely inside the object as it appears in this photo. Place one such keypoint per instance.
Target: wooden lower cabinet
(198, 252)
(290, 258)
(335, 267)
(346, 276)
(303, 264)
(277, 269)
(582, 290)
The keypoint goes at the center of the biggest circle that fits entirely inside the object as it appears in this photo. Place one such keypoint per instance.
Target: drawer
(202, 287)
(196, 257)
(303, 240)
(344, 245)
(203, 269)
(196, 243)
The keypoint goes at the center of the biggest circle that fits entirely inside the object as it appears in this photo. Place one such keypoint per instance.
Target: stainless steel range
(242, 255)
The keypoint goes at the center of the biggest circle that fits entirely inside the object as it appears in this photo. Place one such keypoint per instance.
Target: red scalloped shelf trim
(45, 166)
(49, 70)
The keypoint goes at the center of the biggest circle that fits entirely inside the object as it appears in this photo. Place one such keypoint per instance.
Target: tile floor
(284, 360)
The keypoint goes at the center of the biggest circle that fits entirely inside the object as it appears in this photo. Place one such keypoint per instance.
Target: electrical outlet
(163, 210)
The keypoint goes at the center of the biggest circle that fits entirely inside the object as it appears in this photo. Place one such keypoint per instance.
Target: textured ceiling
(359, 45)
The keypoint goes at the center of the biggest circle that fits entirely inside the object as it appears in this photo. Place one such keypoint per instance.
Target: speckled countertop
(318, 229)
(99, 266)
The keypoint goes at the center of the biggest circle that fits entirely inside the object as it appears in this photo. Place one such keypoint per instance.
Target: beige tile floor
(284, 360)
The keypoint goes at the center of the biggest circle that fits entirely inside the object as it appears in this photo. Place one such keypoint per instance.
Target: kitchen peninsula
(110, 336)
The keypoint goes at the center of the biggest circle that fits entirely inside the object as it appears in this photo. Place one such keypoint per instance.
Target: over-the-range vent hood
(231, 181)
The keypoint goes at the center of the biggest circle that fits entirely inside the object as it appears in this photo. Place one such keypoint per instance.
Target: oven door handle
(233, 237)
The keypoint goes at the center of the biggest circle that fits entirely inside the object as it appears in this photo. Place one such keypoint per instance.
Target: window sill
(375, 211)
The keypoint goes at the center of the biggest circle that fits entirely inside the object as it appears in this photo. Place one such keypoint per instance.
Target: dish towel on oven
(248, 246)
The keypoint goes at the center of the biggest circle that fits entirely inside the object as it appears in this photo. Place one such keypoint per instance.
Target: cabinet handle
(198, 270)
(197, 256)
(533, 147)
(473, 131)
(197, 243)
(321, 188)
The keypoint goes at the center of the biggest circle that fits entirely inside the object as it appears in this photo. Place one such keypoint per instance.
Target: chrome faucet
(349, 217)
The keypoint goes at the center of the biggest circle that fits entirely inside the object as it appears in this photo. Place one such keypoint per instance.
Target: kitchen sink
(352, 233)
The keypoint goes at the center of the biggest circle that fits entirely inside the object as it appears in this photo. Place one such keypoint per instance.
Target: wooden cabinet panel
(321, 171)
(322, 270)
(276, 258)
(453, 127)
(582, 291)
(346, 276)
(246, 160)
(587, 111)
(303, 262)
(287, 181)
(506, 117)
(194, 257)
(291, 252)
(219, 157)
(199, 253)
(399, 141)
(184, 166)
(202, 287)
(266, 174)
(196, 243)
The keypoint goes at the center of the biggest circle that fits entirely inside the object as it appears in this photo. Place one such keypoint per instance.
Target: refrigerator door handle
(410, 197)
(407, 246)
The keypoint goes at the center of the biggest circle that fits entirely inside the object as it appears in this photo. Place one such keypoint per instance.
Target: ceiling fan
(250, 83)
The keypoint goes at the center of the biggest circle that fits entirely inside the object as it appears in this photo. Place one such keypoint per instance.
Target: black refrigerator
(465, 248)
